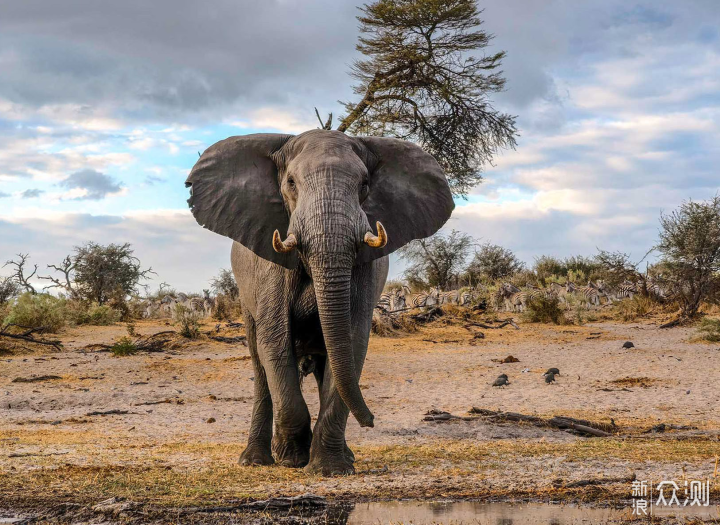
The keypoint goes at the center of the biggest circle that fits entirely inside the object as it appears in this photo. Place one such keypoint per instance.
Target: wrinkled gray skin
(312, 309)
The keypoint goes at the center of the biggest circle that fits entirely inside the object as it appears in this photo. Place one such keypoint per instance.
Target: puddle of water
(467, 512)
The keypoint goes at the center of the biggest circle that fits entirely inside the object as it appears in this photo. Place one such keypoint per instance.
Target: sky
(104, 107)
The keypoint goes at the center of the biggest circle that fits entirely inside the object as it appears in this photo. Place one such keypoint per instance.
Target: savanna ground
(182, 452)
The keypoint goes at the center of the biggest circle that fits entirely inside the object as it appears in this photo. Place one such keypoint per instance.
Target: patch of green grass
(124, 347)
(710, 330)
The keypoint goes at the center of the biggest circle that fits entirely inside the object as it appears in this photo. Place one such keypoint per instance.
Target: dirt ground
(185, 414)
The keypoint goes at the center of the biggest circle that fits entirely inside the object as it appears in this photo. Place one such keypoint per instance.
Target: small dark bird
(501, 381)
(549, 378)
(555, 371)
(628, 345)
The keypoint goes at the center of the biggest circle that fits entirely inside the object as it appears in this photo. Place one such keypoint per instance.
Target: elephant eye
(291, 183)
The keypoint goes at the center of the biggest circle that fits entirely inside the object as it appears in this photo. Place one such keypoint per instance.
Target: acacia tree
(493, 262)
(437, 260)
(616, 267)
(224, 283)
(105, 273)
(426, 78)
(690, 249)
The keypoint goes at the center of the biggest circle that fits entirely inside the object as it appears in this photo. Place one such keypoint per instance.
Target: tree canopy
(437, 260)
(690, 250)
(427, 79)
(493, 262)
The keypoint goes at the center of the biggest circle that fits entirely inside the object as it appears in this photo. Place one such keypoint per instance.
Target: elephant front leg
(258, 450)
(293, 434)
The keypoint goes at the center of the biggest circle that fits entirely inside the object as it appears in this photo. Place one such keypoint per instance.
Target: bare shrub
(635, 308)
(385, 325)
(188, 321)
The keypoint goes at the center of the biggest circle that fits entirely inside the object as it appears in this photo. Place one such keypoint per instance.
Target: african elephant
(308, 300)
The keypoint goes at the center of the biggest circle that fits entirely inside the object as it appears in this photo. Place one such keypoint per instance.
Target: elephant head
(313, 198)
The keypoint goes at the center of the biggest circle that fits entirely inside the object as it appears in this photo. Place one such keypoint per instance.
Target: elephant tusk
(378, 241)
(284, 247)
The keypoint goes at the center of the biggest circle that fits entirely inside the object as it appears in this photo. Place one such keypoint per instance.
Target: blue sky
(103, 109)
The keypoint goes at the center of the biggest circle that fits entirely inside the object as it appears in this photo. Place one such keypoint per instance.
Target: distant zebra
(196, 304)
(451, 297)
(467, 298)
(626, 290)
(208, 303)
(513, 297)
(417, 300)
(385, 302)
(657, 287)
(588, 293)
(559, 291)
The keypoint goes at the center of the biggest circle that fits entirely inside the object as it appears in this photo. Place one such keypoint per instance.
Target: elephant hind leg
(258, 451)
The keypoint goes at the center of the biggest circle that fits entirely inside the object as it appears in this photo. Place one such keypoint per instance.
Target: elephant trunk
(331, 245)
(333, 300)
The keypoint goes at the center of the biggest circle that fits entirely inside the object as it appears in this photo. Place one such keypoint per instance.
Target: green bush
(80, 313)
(123, 347)
(544, 310)
(37, 311)
(710, 330)
(188, 321)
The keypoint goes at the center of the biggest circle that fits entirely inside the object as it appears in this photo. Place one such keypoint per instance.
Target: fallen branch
(27, 336)
(675, 322)
(177, 401)
(439, 415)
(559, 422)
(35, 379)
(107, 412)
(237, 339)
(151, 343)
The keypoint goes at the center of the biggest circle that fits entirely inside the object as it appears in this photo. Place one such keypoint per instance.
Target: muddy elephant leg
(293, 435)
(258, 451)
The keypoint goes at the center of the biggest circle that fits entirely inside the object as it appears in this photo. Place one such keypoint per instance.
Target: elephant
(308, 295)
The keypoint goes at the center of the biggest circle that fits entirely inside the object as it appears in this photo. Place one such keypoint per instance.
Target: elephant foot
(293, 453)
(339, 465)
(255, 456)
(349, 454)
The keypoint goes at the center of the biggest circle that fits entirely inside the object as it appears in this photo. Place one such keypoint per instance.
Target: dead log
(237, 339)
(107, 412)
(674, 322)
(35, 379)
(27, 336)
(559, 422)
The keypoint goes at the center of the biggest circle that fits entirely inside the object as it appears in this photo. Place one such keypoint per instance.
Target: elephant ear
(234, 191)
(409, 193)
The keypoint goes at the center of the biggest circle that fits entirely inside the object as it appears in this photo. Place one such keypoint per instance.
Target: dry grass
(155, 472)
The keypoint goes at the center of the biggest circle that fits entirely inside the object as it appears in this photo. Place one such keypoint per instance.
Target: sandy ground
(168, 453)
